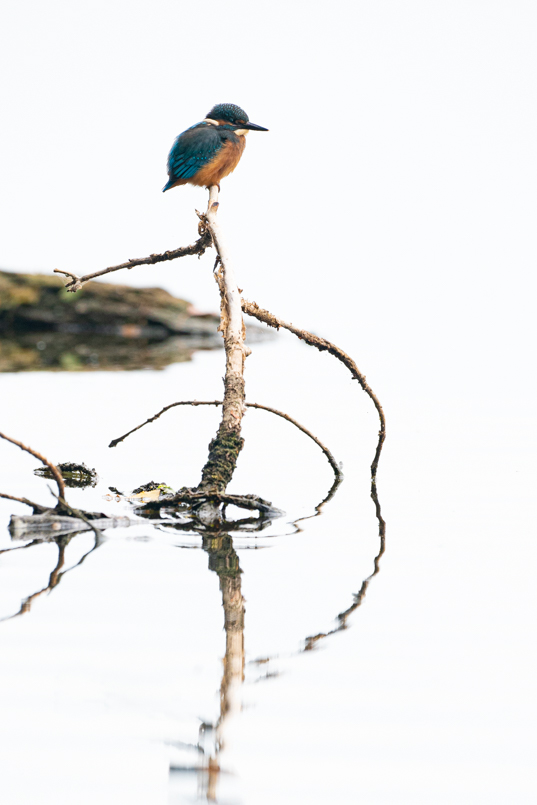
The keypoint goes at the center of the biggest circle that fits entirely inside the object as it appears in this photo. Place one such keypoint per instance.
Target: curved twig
(199, 247)
(252, 309)
(115, 442)
(326, 451)
(54, 470)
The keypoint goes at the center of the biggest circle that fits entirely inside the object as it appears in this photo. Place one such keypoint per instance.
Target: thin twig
(37, 507)
(199, 247)
(54, 470)
(326, 451)
(252, 309)
(115, 442)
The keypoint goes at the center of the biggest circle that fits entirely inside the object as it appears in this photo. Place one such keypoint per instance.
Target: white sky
(391, 207)
(394, 193)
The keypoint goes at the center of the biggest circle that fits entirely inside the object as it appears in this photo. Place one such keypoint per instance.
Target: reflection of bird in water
(205, 153)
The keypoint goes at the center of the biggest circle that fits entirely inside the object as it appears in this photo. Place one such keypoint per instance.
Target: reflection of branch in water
(55, 576)
(22, 547)
(360, 595)
(245, 525)
(358, 598)
(331, 492)
(252, 309)
(223, 561)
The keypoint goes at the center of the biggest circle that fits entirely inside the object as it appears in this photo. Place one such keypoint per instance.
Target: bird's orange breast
(225, 161)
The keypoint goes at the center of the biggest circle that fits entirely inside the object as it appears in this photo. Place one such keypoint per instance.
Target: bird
(208, 151)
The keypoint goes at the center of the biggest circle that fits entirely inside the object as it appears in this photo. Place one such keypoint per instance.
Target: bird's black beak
(253, 126)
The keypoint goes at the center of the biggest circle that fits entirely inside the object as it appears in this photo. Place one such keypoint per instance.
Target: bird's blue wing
(193, 149)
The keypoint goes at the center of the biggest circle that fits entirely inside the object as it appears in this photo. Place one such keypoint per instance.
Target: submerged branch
(194, 496)
(199, 247)
(79, 515)
(326, 451)
(54, 470)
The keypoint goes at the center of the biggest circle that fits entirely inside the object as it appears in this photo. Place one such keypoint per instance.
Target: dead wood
(37, 507)
(199, 247)
(54, 470)
(326, 451)
(224, 449)
(195, 497)
(252, 309)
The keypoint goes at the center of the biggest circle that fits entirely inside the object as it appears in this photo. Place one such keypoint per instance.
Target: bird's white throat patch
(242, 132)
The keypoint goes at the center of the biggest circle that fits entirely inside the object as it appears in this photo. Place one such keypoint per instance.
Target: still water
(154, 665)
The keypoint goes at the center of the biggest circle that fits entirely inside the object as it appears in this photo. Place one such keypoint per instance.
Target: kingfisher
(205, 153)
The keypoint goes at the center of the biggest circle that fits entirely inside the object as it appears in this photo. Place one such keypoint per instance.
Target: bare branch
(54, 470)
(326, 451)
(226, 446)
(199, 247)
(252, 309)
(115, 442)
(37, 507)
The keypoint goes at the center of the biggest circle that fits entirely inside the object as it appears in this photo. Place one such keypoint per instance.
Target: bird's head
(233, 117)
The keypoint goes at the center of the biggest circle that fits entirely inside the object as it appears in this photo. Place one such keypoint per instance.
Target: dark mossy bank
(102, 326)
(40, 302)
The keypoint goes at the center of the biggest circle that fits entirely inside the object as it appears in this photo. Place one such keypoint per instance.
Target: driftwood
(51, 526)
